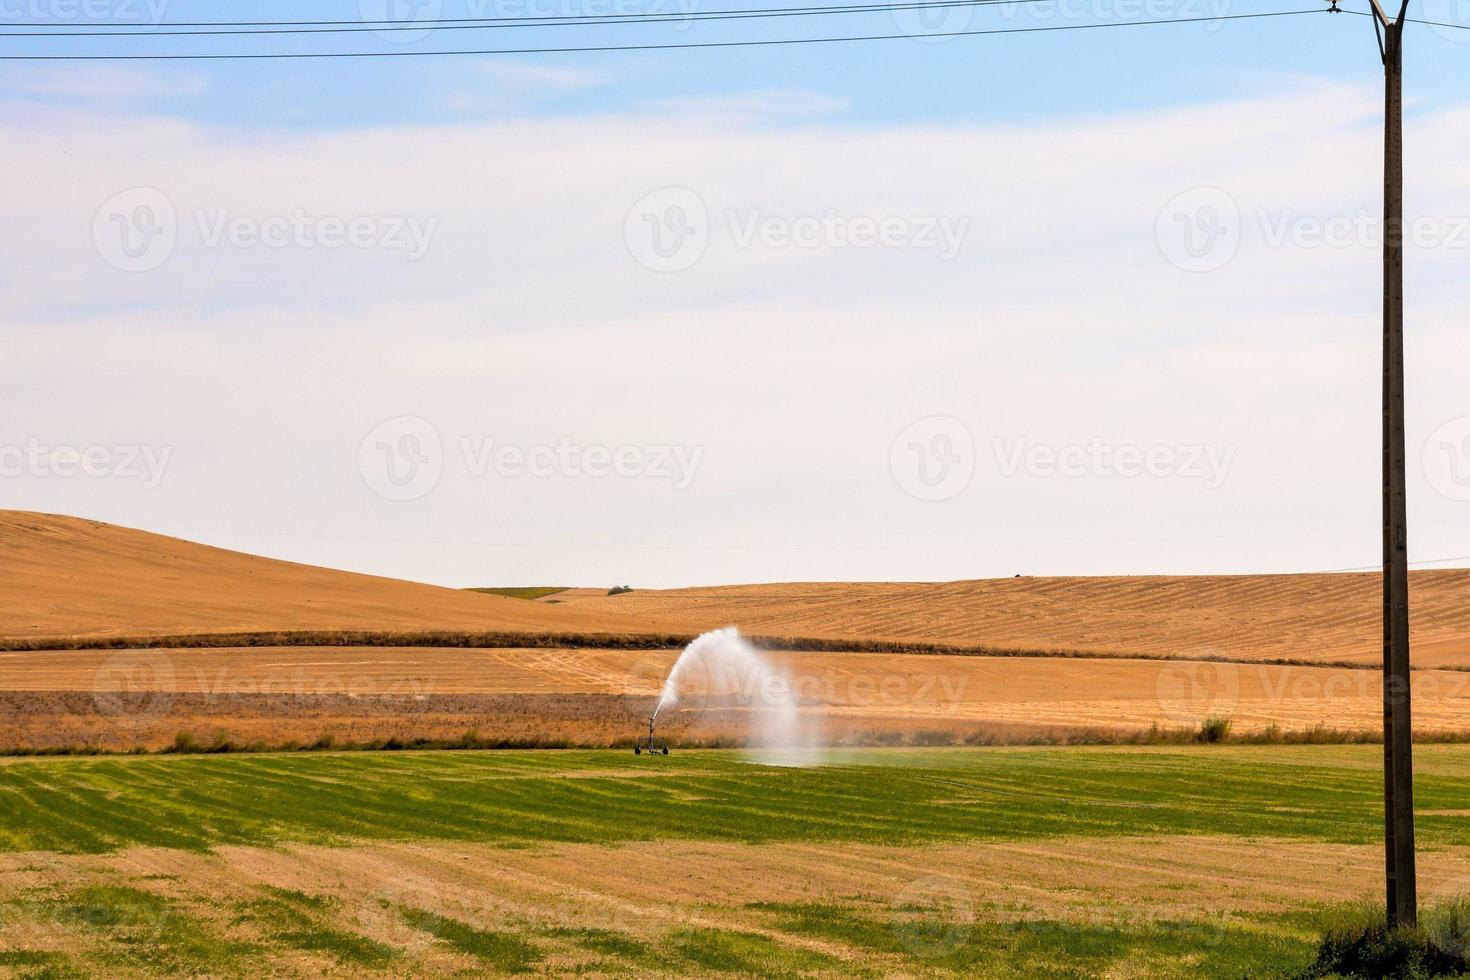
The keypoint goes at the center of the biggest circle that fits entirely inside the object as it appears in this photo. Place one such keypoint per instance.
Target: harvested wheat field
(76, 578)
(68, 577)
(1249, 617)
(64, 576)
(266, 695)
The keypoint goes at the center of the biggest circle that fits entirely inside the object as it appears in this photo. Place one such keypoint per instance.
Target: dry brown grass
(74, 721)
(646, 890)
(69, 722)
(669, 881)
(121, 699)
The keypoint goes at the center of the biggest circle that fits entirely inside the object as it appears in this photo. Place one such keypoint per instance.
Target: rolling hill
(1328, 617)
(64, 576)
(69, 577)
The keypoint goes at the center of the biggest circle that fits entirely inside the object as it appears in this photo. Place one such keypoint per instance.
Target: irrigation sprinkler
(642, 746)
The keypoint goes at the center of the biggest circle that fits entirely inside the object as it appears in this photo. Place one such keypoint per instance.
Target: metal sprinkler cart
(642, 746)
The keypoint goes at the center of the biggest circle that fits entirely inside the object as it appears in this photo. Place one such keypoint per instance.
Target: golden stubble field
(1322, 618)
(1157, 647)
(600, 697)
(68, 577)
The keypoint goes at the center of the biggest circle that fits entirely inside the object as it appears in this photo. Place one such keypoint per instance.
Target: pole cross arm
(1382, 15)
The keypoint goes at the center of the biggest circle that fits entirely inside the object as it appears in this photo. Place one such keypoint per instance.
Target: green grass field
(531, 592)
(78, 900)
(874, 796)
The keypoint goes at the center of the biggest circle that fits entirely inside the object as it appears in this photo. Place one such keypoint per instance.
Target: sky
(1069, 302)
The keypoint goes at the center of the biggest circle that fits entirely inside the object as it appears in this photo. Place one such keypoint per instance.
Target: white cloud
(752, 104)
(793, 368)
(498, 85)
(542, 76)
(101, 82)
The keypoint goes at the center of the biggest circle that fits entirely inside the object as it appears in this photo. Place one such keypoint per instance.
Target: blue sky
(1075, 303)
(963, 79)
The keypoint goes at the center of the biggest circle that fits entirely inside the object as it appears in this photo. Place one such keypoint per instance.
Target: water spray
(725, 665)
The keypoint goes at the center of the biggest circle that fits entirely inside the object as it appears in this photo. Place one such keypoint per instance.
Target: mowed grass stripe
(398, 809)
(89, 805)
(173, 802)
(540, 815)
(402, 809)
(98, 820)
(130, 820)
(1172, 791)
(731, 807)
(26, 796)
(265, 807)
(836, 806)
(230, 807)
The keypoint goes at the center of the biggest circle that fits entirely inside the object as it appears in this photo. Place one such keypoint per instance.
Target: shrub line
(505, 639)
(1213, 731)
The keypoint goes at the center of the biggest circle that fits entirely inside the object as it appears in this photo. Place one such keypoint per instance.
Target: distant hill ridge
(68, 577)
(1295, 618)
(64, 576)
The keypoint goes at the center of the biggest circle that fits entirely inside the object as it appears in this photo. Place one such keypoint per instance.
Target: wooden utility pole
(1398, 740)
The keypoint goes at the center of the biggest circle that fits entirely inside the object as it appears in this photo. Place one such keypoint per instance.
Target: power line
(1414, 20)
(1416, 564)
(426, 23)
(582, 49)
(78, 30)
(227, 28)
(1440, 23)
